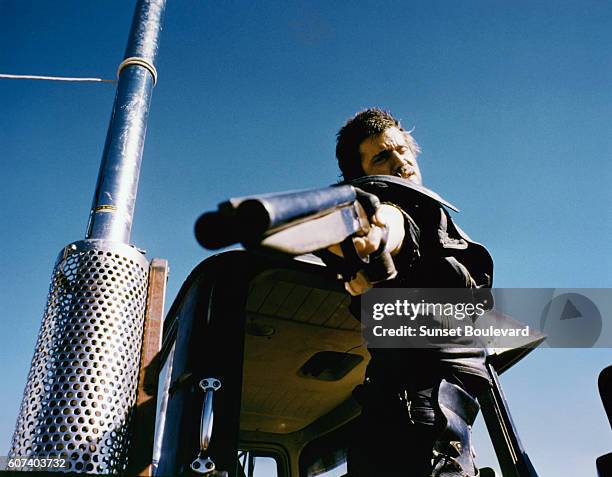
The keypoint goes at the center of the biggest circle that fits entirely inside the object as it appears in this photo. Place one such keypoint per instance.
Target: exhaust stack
(81, 389)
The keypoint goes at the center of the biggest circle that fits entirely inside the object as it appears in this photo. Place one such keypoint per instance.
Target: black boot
(453, 454)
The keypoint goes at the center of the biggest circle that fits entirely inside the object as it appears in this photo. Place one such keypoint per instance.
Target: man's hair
(366, 123)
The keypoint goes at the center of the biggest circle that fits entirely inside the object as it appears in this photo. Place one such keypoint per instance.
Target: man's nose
(398, 159)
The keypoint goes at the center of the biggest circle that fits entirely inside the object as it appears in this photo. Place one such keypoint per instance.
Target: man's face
(389, 153)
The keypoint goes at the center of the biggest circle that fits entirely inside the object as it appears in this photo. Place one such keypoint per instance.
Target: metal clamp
(135, 60)
(204, 465)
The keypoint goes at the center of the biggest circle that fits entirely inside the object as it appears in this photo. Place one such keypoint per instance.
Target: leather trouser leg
(396, 434)
(414, 433)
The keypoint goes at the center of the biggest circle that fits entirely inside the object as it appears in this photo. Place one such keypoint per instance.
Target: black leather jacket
(435, 253)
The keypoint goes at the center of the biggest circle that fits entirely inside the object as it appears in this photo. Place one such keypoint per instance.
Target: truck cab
(276, 336)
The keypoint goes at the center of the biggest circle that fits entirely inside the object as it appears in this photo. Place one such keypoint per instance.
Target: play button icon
(570, 311)
(571, 320)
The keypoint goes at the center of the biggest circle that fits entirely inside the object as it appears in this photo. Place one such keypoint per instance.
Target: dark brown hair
(366, 123)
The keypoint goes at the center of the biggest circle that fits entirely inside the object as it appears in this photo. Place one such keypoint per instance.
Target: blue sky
(510, 102)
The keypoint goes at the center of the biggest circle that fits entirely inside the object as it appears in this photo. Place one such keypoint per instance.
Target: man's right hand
(386, 215)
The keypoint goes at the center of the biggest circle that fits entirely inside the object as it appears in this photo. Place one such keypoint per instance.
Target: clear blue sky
(511, 103)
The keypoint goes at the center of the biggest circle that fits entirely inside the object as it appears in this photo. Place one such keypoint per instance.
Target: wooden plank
(141, 448)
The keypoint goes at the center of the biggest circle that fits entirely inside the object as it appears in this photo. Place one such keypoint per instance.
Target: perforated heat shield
(82, 382)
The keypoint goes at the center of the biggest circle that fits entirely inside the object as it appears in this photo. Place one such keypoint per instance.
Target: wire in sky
(56, 78)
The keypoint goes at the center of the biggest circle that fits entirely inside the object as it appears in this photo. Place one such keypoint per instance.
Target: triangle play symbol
(570, 311)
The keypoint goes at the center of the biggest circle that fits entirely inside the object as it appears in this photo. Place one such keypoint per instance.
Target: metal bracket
(204, 465)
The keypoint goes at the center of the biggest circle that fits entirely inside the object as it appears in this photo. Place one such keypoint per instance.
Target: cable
(132, 60)
(56, 78)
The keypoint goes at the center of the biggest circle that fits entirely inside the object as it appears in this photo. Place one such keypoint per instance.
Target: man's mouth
(405, 173)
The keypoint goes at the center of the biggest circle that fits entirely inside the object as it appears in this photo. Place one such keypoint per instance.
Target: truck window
(333, 464)
(337, 469)
(250, 464)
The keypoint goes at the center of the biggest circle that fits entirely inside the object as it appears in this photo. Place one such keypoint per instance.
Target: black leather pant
(399, 431)
(396, 434)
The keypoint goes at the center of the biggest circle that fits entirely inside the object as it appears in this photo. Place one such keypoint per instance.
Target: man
(417, 404)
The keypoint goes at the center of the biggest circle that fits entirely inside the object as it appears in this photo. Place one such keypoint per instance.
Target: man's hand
(386, 215)
(371, 242)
